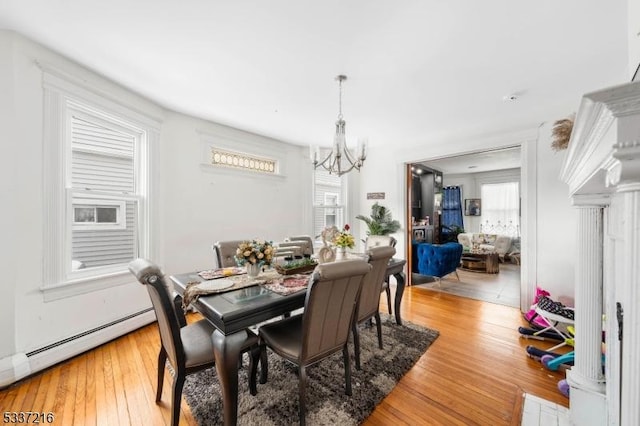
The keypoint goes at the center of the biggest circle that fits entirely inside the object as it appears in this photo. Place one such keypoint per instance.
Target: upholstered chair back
(465, 239)
(379, 240)
(290, 249)
(152, 278)
(330, 307)
(369, 300)
(225, 252)
(502, 245)
(306, 242)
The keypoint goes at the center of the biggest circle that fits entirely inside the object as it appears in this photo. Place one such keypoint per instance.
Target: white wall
(8, 215)
(633, 31)
(201, 205)
(381, 173)
(557, 221)
(195, 208)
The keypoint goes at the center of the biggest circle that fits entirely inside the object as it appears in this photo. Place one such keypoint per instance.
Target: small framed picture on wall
(472, 207)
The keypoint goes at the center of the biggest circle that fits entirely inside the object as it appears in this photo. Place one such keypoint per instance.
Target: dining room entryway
(502, 288)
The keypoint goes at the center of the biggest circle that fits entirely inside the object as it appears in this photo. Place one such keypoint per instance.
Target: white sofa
(501, 244)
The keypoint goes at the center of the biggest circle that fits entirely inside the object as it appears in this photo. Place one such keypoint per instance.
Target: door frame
(528, 222)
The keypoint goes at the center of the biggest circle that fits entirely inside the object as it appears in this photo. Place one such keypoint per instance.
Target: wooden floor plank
(474, 373)
(79, 367)
(120, 396)
(62, 396)
(89, 397)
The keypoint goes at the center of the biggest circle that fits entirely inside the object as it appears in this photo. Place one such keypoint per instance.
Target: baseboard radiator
(21, 365)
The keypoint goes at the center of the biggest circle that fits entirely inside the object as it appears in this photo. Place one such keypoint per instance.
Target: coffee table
(485, 262)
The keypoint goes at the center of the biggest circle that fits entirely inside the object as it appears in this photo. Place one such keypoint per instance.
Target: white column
(588, 293)
(585, 378)
(630, 300)
(624, 175)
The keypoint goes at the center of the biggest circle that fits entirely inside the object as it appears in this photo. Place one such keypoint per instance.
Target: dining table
(231, 312)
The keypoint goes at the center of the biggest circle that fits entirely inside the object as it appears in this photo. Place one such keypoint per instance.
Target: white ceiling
(419, 70)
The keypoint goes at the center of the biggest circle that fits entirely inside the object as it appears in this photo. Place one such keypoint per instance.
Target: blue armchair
(436, 260)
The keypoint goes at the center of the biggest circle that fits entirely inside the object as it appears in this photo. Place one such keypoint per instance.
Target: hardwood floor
(502, 288)
(474, 373)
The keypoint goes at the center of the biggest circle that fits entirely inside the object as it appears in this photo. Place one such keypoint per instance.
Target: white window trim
(61, 95)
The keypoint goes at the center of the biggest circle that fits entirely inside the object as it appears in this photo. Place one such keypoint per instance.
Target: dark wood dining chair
(189, 348)
(369, 301)
(322, 329)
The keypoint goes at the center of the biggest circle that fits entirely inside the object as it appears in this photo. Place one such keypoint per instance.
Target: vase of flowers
(254, 255)
(342, 241)
(253, 269)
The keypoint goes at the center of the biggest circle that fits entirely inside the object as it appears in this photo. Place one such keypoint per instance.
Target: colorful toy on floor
(538, 354)
(535, 320)
(537, 334)
(563, 387)
(554, 362)
(555, 313)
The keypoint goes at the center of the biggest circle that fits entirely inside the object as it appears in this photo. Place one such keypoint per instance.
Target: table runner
(212, 274)
(288, 284)
(271, 279)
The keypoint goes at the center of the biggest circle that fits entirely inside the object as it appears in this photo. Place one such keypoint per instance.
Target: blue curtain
(451, 209)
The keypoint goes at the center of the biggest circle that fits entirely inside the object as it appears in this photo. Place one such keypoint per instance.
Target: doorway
(471, 173)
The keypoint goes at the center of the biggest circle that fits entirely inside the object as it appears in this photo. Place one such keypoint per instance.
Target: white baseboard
(13, 368)
(18, 366)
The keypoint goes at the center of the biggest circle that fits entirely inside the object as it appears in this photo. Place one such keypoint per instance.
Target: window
(328, 205)
(330, 213)
(98, 214)
(97, 188)
(103, 164)
(501, 208)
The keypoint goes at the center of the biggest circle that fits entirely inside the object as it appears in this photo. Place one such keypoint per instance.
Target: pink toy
(531, 316)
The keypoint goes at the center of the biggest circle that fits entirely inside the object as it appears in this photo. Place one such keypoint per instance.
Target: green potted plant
(380, 221)
(452, 233)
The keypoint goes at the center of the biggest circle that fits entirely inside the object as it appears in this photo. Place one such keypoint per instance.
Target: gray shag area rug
(277, 400)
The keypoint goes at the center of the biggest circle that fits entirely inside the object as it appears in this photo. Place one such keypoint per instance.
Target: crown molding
(594, 139)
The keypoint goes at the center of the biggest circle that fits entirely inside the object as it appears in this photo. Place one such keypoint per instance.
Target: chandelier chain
(340, 99)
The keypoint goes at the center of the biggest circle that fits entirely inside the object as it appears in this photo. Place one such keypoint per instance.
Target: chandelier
(340, 159)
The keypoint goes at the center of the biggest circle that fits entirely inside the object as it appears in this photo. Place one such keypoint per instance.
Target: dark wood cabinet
(426, 201)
